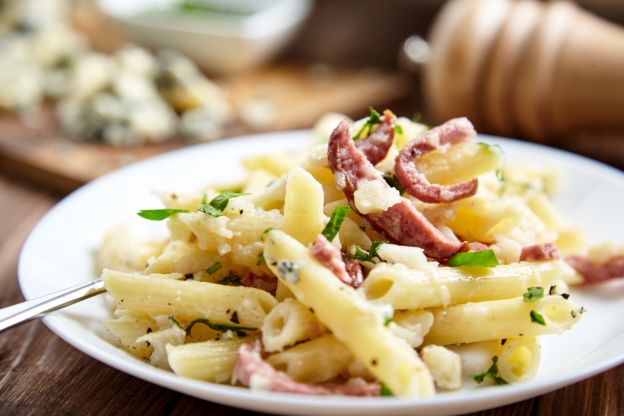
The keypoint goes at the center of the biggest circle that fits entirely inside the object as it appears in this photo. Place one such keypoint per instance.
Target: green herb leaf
(174, 321)
(394, 182)
(230, 280)
(373, 118)
(493, 148)
(500, 175)
(491, 373)
(260, 259)
(219, 327)
(484, 258)
(214, 268)
(159, 214)
(533, 293)
(335, 221)
(398, 129)
(218, 204)
(384, 390)
(264, 233)
(371, 255)
(388, 321)
(537, 318)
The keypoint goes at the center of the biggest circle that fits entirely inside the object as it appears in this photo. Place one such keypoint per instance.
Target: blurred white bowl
(244, 36)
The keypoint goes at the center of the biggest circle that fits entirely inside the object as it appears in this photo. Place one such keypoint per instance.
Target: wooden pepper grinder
(541, 70)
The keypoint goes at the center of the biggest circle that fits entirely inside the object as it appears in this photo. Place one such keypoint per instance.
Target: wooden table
(41, 374)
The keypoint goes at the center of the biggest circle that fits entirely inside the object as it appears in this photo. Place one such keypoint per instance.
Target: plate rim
(283, 402)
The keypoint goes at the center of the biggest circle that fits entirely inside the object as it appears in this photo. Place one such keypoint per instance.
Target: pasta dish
(374, 263)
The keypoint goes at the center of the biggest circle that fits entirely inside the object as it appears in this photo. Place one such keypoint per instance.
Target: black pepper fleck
(234, 318)
(565, 295)
(503, 341)
(374, 362)
(188, 276)
(552, 290)
(149, 329)
(241, 212)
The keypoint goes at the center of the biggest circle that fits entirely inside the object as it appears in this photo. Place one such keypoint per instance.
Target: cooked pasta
(356, 268)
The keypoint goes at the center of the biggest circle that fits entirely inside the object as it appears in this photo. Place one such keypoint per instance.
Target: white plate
(59, 254)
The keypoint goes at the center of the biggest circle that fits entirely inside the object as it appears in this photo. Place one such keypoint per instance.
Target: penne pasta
(355, 322)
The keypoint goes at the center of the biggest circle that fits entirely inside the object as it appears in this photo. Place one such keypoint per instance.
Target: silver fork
(15, 315)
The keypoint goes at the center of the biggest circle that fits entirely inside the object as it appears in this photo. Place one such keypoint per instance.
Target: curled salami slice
(414, 182)
(402, 222)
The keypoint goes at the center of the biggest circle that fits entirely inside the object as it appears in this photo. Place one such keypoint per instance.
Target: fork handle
(20, 313)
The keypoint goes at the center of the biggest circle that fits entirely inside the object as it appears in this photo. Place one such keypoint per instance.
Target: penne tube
(430, 287)
(353, 321)
(498, 319)
(303, 208)
(151, 296)
(212, 360)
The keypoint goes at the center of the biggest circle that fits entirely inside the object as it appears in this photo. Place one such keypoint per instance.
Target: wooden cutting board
(38, 150)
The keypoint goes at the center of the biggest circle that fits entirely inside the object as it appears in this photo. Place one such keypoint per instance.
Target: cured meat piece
(252, 369)
(597, 272)
(266, 283)
(355, 271)
(330, 257)
(402, 222)
(414, 182)
(375, 147)
(540, 252)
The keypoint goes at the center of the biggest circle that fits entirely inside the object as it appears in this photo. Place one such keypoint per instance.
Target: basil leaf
(219, 327)
(491, 373)
(537, 318)
(533, 293)
(214, 268)
(230, 280)
(484, 258)
(335, 221)
(398, 129)
(175, 321)
(159, 214)
(384, 390)
(363, 255)
(373, 118)
(218, 204)
(260, 259)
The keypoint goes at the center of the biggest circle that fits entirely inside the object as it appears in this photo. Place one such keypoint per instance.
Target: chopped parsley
(214, 268)
(533, 293)
(217, 205)
(175, 321)
(264, 233)
(484, 258)
(240, 330)
(388, 321)
(537, 318)
(230, 280)
(335, 221)
(398, 129)
(159, 214)
(384, 390)
(260, 259)
(491, 373)
(394, 182)
(373, 119)
(371, 255)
